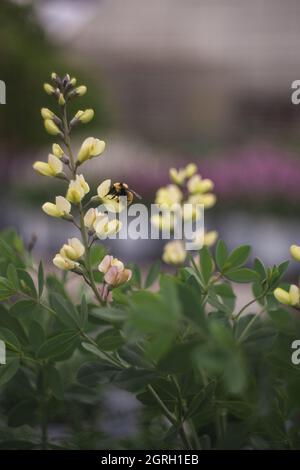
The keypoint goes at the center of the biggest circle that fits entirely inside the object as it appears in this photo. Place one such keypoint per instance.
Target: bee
(122, 189)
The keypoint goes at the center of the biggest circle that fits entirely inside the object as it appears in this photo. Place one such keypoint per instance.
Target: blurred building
(188, 69)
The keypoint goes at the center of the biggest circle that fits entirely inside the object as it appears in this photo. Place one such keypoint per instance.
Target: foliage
(206, 375)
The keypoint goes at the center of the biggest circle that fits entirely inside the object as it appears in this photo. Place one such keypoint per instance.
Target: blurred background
(172, 82)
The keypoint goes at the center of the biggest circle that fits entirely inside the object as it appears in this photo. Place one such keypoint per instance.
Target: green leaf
(109, 314)
(40, 279)
(14, 325)
(206, 264)
(136, 279)
(260, 269)
(8, 370)
(6, 288)
(153, 274)
(12, 276)
(221, 254)
(242, 275)
(237, 258)
(58, 345)
(26, 283)
(66, 312)
(109, 340)
(94, 350)
(10, 340)
(36, 335)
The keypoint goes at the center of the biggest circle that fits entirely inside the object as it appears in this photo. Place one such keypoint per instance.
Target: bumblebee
(122, 189)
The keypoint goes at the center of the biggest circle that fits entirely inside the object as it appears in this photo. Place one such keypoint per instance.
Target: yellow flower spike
(90, 217)
(174, 252)
(177, 176)
(61, 208)
(49, 89)
(73, 250)
(90, 148)
(190, 170)
(53, 168)
(81, 90)
(86, 116)
(57, 151)
(51, 127)
(47, 113)
(64, 263)
(295, 252)
(61, 100)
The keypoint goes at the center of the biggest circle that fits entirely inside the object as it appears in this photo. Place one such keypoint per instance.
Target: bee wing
(136, 194)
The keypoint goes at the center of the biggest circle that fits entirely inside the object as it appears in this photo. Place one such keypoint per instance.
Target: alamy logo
(2, 92)
(2, 352)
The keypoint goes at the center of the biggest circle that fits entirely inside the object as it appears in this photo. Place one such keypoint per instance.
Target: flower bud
(86, 116)
(105, 227)
(287, 298)
(73, 250)
(177, 176)
(190, 170)
(61, 100)
(115, 278)
(57, 150)
(51, 127)
(295, 252)
(109, 261)
(73, 81)
(49, 89)
(81, 90)
(47, 113)
(90, 148)
(208, 199)
(64, 263)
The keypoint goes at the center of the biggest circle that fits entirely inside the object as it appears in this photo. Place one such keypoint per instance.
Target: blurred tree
(27, 59)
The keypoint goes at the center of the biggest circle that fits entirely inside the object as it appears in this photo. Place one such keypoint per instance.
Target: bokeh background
(172, 81)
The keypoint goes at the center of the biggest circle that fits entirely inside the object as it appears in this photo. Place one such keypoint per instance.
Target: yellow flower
(73, 81)
(90, 148)
(177, 176)
(57, 150)
(86, 116)
(190, 170)
(81, 90)
(49, 89)
(61, 208)
(210, 238)
(53, 168)
(51, 127)
(109, 261)
(174, 252)
(198, 185)
(295, 252)
(105, 227)
(208, 199)
(168, 196)
(164, 221)
(78, 188)
(287, 298)
(47, 113)
(64, 263)
(73, 250)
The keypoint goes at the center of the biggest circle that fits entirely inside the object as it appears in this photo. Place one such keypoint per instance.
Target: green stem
(170, 417)
(68, 140)
(248, 305)
(251, 322)
(87, 256)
